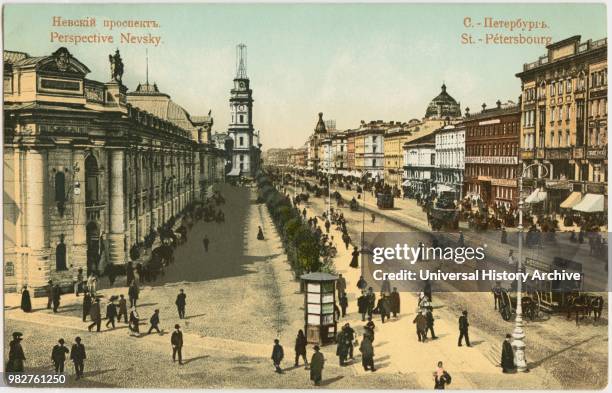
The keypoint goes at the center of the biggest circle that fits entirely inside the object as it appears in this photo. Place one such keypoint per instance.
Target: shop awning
(234, 172)
(444, 188)
(571, 201)
(406, 183)
(591, 203)
(536, 196)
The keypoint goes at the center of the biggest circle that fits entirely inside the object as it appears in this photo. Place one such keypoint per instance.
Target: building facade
(420, 165)
(314, 144)
(491, 154)
(395, 137)
(564, 120)
(87, 173)
(339, 153)
(369, 149)
(450, 159)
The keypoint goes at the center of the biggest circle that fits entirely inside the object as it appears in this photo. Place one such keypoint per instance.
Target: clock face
(241, 107)
(241, 84)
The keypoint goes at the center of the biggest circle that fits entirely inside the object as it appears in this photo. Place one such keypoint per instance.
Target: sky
(352, 62)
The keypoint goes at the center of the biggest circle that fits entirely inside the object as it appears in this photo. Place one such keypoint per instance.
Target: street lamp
(519, 334)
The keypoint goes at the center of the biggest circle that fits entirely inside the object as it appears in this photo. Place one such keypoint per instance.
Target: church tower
(244, 152)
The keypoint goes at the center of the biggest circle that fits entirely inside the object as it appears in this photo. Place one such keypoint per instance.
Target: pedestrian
(300, 348)
(86, 305)
(49, 291)
(430, 323)
(122, 309)
(371, 297)
(78, 284)
(129, 271)
(441, 377)
(16, 357)
(461, 239)
(394, 300)
(349, 333)
(111, 273)
(205, 242)
(260, 235)
(504, 236)
(180, 303)
(95, 315)
(427, 290)
(362, 284)
(367, 353)
(346, 239)
(26, 301)
(317, 363)
(421, 326)
(463, 328)
(111, 313)
(327, 226)
(154, 322)
(58, 355)
(507, 355)
(383, 307)
(342, 347)
(341, 285)
(343, 303)
(134, 322)
(177, 344)
(511, 260)
(373, 218)
(362, 305)
(386, 287)
(304, 213)
(277, 356)
(355, 258)
(78, 356)
(92, 284)
(369, 329)
(133, 293)
(57, 294)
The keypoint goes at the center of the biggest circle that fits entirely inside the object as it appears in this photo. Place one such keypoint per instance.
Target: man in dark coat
(394, 300)
(26, 301)
(133, 294)
(341, 285)
(49, 294)
(369, 329)
(342, 347)
(430, 323)
(78, 356)
(57, 293)
(123, 311)
(362, 284)
(16, 357)
(463, 328)
(343, 303)
(58, 355)
(421, 326)
(367, 353)
(317, 363)
(111, 314)
(277, 356)
(349, 332)
(86, 305)
(154, 322)
(507, 355)
(205, 241)
(300, 348)
(383, 307)
(177, 344)
(371, 301)
(362, 305)
(181, 302)
(96, 316)
(129, 271)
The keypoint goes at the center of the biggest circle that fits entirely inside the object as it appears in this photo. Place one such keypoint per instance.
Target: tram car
(384, 200)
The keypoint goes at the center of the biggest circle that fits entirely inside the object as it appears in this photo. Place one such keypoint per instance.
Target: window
(560, 88)
(579, 110)
(241, 157)
(9, 269)
(568, 86)
(552, 139)
(552, 89)
(567, 111)
(241, 140)
(567, 138)
(241, 118)
(60, 187)
(560, 138)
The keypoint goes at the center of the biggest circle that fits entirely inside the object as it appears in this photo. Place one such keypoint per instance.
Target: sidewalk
(397, 349)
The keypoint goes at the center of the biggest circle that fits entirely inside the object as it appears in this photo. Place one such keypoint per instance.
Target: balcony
(93, 209)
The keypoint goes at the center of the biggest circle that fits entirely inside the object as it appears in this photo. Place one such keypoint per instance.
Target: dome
(320, 128)
(443, 106)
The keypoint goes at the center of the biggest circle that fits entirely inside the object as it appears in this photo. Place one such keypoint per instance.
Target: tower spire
(241, 61)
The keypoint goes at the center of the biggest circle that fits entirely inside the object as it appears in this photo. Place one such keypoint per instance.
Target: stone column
(37, 230)
(79, 230)
(117, 215)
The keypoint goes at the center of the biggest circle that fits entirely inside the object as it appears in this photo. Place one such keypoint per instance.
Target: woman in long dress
(26, 303)
(134, 322)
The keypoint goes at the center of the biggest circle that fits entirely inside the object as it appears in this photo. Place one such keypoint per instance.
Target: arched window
(60, 191)
(60, 255)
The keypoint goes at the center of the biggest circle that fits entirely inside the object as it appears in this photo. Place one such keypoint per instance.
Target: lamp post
(519, 334)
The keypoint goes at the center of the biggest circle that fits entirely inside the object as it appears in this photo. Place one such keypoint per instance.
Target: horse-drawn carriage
(384, 200)
(354, 205)
(507, 301)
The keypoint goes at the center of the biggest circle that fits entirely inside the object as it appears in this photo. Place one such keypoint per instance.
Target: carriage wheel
(505, 312)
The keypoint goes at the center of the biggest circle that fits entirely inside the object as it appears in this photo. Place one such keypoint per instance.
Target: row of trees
(300, 242)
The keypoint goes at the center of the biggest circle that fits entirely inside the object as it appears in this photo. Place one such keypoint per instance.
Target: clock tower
(244, 152)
